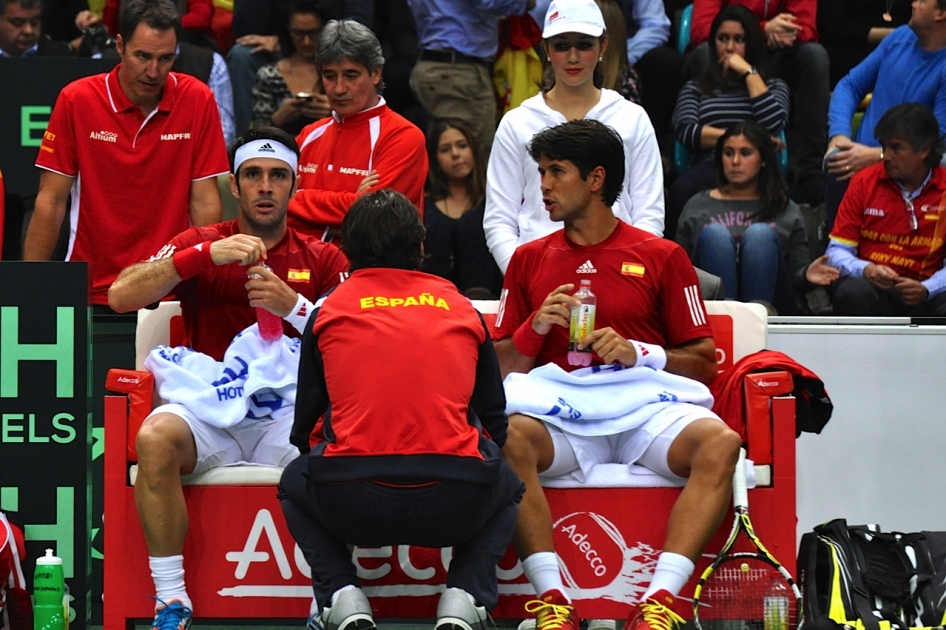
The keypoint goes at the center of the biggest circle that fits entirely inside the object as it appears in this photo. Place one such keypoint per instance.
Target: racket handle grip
(740, 498)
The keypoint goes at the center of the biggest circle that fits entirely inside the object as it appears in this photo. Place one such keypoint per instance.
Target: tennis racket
(745, 588)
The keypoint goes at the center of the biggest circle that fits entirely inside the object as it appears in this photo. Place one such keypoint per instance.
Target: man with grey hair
(363, 146)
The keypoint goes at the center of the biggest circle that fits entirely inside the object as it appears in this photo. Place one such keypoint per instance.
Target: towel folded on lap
(599, 400)
(255, 380)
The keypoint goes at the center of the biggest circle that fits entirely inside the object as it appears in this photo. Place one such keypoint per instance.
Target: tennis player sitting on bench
(650, 317)
(207, 268)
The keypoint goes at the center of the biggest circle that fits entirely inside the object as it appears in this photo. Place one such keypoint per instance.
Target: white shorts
(646, 445)
(249, 442)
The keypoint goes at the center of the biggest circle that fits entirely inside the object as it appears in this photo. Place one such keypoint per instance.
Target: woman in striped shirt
(733, 88)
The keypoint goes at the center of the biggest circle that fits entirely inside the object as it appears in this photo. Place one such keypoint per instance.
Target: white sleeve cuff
(300, 314)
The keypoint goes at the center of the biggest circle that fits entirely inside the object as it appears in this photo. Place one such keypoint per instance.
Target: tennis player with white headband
(215, 273)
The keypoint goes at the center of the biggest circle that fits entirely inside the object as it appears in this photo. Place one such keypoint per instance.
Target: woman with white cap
(574, 40)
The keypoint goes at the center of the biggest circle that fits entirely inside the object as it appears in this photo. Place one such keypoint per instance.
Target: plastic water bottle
(270, 324)
(582, 324)
(50, 609)
(775, 604)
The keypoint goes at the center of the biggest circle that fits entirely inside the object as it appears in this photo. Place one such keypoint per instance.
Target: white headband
(265, 148)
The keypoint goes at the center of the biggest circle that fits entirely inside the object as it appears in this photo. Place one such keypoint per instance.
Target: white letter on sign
(262, 523)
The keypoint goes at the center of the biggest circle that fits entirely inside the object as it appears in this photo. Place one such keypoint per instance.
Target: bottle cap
(586, 282)
(49, 558)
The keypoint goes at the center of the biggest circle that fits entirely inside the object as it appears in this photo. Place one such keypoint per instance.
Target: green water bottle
(48, 593)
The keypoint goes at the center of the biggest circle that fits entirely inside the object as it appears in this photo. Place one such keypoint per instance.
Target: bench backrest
(738, 328)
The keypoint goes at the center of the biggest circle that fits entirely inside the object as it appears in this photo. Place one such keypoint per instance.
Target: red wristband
(527, 341)
(189, 262)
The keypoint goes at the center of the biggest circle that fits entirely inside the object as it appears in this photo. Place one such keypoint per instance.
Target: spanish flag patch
(632, 269)
(299, 275)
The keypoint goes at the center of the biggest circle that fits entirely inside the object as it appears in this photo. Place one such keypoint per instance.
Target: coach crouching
(409, 450)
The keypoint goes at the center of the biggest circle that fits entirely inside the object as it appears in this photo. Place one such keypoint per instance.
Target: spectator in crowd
(657, 64)
(288, 93)
(363, 145)
(64, 20)
(207, 268)
(394, 26)
(21, 32)
(851, 29)
(256, 24)
(747, 230)
(196, 18)
(654, 319)
(909, 65)
(795, 56)
(22, 36)
(123, 133)
(436, 390)
(573, 41)
(735, 86)
(618, 74)
(211, 68)
(887, 240)
(456, 189)
(453, 76)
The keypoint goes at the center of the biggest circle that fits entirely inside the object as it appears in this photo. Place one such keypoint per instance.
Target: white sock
(337, 594)
(542, 571)
(168, 576)
(672, 572)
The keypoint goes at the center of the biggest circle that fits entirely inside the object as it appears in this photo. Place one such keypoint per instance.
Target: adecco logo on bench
(595, 559)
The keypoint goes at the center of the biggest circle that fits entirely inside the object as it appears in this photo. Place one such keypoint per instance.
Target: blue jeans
(751, 269)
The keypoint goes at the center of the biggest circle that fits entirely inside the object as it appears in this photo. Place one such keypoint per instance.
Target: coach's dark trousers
(476, 520)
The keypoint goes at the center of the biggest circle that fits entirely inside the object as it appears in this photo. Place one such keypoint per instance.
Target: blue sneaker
(172, 615)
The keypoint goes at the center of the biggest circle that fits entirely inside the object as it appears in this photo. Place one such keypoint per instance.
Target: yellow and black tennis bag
(862, 578)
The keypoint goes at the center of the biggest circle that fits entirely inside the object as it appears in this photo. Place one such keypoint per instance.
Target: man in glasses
(886, 242)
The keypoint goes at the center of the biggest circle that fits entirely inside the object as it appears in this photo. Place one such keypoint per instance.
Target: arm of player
(311, 392)
(48, 213)
(147, 282)
(518, 353)
(695, 359)
(265, 289)
(205, 205)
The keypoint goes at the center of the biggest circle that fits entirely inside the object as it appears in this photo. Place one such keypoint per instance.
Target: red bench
(242, 563)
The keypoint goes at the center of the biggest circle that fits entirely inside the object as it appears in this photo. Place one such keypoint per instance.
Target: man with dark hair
(650, 317)
(21, 33)
(409, 451)
(886, 240)
(125, 135)
(363, 146)
(208, 268)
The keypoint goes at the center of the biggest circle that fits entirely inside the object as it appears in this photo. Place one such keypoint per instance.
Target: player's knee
(521, 450)
(160, 441)
(719, 451)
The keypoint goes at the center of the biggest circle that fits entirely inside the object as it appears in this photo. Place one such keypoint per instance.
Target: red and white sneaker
(553, 612)
(654, 613)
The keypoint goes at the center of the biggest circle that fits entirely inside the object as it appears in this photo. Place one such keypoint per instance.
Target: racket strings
(734, 595)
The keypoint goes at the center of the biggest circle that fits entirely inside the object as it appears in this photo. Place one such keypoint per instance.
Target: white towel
(255, 380)
(599, 400)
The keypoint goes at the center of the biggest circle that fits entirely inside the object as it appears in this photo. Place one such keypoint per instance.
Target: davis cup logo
(602, 564)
